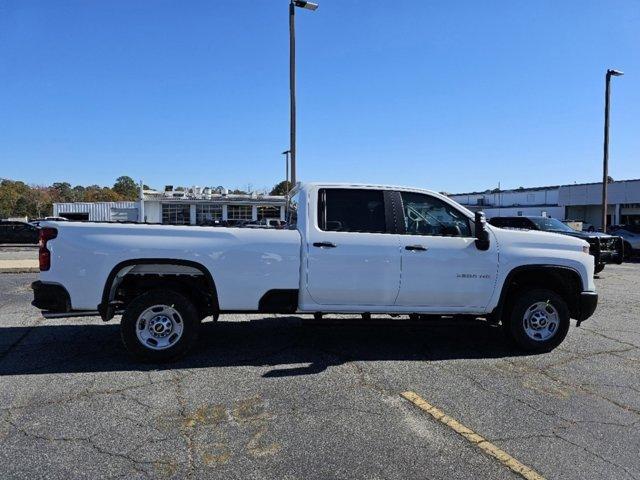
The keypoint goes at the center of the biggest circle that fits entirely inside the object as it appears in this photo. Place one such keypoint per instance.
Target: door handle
(324, 244)
(416, 248)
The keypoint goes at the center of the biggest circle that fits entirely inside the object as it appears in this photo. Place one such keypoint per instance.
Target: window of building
(268, 211)
(207, 213)
(351, 210)
(82, 216)
(175, 214)
(427, 215)
(239, 212)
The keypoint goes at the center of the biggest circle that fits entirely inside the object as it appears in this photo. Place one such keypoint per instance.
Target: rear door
(441, 266)
(352, 254)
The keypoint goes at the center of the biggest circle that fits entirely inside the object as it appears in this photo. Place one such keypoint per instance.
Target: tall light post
(292, 76)
(286, 163)
(605, 159)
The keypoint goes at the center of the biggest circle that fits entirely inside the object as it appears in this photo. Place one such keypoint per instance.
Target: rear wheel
(599, 268)
(539, 320)
(159, 326)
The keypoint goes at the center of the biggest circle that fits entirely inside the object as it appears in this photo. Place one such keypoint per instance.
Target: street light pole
(605, 158)
(292, 89)
(292, 77)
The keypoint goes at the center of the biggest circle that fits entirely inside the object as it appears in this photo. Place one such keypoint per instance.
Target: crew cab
(347, 248)
(604, 248)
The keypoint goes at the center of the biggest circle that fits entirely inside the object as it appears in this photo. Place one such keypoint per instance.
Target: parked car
(266, 223)
(631, 238)
(18, 232)
(604, 248)
(348, 249)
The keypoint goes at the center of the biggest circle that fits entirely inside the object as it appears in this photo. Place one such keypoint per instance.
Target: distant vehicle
(630, 237)
(37, 221)
(587, 227)
(604, 248)
(347, 248)
(214, 223)
(18, 232)
(266, 223)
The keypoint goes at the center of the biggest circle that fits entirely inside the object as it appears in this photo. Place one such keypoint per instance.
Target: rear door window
(351, 210)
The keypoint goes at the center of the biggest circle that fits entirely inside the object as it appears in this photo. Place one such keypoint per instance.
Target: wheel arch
(565, 281)
(107, 309)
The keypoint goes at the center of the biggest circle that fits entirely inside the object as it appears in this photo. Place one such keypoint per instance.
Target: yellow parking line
(478, 440)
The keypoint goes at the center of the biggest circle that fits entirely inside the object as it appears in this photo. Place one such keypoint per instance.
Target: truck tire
(159, 326)
(538, 321)
(599, 268)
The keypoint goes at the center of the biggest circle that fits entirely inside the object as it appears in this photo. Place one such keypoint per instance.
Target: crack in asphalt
(185, 431)
(89, 441)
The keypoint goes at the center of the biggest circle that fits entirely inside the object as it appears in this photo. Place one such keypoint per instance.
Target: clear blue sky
(451, 96)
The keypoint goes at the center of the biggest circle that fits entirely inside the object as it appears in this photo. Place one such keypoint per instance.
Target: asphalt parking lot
(289, 397)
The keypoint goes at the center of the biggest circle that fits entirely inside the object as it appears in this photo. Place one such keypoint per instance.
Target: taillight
(44, 255)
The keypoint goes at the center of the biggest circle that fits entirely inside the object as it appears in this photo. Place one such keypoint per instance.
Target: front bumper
(50, 297)
(587, 305)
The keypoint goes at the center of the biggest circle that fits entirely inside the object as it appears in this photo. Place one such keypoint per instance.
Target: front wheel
(159, 326)
(599, 268)
(539, 320)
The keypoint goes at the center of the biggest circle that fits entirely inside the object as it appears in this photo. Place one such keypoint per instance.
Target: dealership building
(192, 206)
(579, 202)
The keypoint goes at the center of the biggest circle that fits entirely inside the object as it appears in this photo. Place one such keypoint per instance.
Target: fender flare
(107, 310)
(496, 313)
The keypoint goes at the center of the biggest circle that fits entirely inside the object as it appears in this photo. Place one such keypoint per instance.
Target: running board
(72, 313)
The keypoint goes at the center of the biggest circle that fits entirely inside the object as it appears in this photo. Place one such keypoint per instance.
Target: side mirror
(482, 234)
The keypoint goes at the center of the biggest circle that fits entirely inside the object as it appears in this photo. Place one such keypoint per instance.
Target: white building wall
(626, 191)
(97, 211)
(549, 211)
(533, 197)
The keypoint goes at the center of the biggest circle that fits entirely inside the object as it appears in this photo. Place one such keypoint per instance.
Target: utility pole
(605, 159)
(292, 78)
(286, 163)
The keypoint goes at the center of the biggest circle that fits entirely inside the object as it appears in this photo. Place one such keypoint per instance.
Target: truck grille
(608, 244)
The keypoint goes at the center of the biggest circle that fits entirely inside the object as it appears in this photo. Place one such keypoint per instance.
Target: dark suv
(604, 248)
(17, 232)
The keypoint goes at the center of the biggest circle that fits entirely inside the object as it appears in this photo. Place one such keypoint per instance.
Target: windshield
(552, 224)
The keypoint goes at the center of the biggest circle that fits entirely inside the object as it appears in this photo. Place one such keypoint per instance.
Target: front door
(352, 254)
(441, 267)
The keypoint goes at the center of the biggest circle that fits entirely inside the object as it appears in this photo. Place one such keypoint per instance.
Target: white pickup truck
(348, 248)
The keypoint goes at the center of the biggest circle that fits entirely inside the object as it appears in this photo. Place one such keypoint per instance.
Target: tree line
(18, 199)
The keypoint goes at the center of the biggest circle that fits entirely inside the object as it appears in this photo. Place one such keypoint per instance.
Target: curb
(19, 270)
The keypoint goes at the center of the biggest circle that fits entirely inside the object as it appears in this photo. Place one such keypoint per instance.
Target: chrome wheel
(159, 327)
(541, 321)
